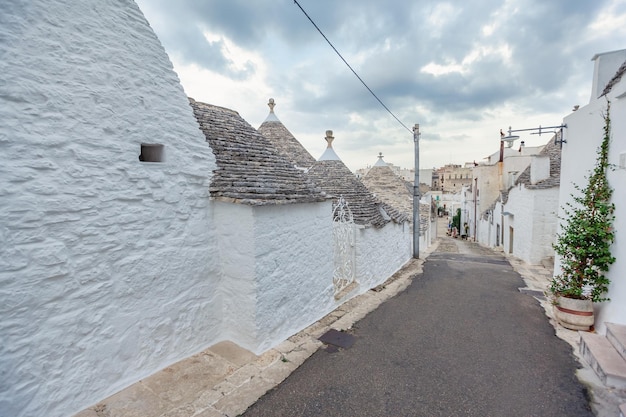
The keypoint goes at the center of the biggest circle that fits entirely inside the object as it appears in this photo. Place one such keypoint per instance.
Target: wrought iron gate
(344, 238)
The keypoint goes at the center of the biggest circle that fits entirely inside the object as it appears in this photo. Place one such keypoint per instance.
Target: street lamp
(539, 131)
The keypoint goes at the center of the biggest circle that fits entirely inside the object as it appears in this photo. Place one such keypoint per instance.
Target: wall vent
(151, 152)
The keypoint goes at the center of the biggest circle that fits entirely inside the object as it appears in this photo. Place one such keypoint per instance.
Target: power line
(351, 69)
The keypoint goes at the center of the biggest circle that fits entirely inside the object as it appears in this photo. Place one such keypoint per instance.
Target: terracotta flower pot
(574, 314)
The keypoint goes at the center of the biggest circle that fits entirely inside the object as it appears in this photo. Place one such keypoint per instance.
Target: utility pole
(416, 194)
(475, 200)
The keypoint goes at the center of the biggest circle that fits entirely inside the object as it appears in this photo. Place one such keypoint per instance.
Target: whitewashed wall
(584, 135)
(277, 263)
(294, 269)
(107, 272)
(235, 225)
(382, 252)
(535, 219)
(484, 232)
(495, 237)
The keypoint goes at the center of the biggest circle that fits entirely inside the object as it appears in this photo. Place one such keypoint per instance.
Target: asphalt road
(460, 341)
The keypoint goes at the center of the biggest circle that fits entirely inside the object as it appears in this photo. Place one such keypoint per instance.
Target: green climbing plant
(584, 243)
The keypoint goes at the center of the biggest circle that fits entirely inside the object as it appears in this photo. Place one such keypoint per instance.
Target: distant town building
(452, 177)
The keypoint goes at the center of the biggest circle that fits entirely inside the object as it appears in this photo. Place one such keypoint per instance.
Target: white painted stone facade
(107, 270)
(381, 252)
(112, 268)
(534, 222)
(277, 265)
(584, 135)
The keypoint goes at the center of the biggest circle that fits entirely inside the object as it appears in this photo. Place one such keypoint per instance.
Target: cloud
(462, 70)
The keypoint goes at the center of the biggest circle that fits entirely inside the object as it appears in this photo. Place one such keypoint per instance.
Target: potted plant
(584, 245)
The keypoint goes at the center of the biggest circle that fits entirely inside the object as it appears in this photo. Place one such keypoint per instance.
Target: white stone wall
(294, 269)
(277, 263)
(584, 135)
(235, 226)
(107, 265)
(534, 220)
(382, 252)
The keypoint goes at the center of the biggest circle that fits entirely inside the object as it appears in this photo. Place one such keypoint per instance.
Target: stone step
(603, 359)
(616, 333)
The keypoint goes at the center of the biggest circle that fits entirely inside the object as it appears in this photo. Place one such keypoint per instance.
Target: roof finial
(329, 138)
(271, 117)
(329, 154)
(380, 162)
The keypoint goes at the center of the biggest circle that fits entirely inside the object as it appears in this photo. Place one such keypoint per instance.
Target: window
(151, 152)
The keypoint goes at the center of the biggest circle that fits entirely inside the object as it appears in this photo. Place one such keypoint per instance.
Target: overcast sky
(463, 69)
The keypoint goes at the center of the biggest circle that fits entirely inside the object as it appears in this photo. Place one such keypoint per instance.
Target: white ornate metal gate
(344, 232)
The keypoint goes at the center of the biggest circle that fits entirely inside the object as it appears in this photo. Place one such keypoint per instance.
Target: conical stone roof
(249, 169)
(336, 179)
(282, 139)
(388, 187)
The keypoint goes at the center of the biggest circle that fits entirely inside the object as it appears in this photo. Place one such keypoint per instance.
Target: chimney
(605, 66)
(539, 168)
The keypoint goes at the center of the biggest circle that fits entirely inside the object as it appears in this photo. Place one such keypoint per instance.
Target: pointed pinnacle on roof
(329, 154)
(380, 162)
(271, 117)
(329, 138)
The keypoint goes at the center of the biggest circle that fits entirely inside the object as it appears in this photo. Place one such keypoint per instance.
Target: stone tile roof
(616, 79)
(282, 139)
(389, 188)
(249, 169)
(553, 151)
(336, 179)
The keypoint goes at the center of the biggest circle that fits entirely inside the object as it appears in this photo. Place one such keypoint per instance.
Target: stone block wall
(107, 265)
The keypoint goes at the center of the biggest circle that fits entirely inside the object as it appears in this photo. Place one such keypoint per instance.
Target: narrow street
(460, 341)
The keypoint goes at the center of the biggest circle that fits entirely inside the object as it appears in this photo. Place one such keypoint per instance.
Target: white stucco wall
(294, 269)
(107, 266)
(534, 222)
(382, 252)
(584, 135)
(277, 263)
(235, 225)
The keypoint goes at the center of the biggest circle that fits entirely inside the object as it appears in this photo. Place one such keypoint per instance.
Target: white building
(127, 241)
(530, 222)
(584, 134)
(108, 270)
(275, 235)
(382, 238)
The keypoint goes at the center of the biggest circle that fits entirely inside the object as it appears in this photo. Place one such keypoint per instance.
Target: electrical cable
(351, 69)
